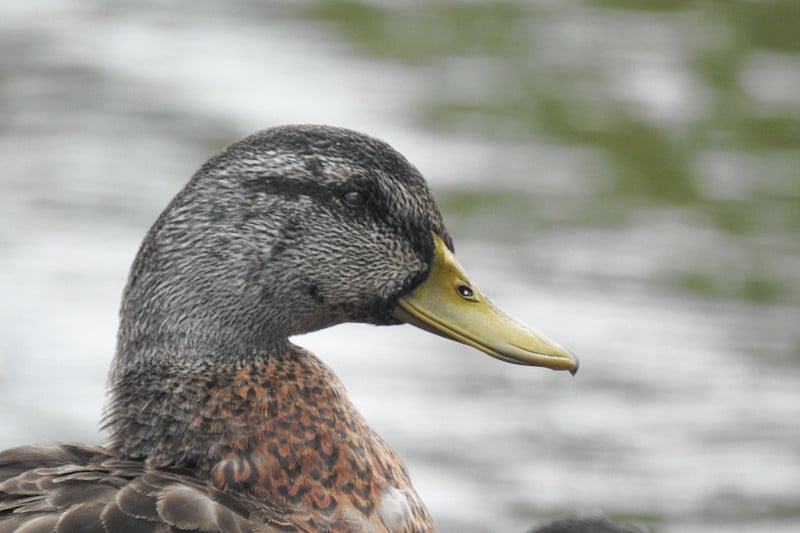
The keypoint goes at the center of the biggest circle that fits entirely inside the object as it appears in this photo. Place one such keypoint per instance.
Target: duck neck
(167, 407)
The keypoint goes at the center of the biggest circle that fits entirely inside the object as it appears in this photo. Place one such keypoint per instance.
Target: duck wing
(76, 488)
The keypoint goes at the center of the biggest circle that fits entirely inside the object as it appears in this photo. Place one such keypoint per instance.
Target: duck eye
(354, 198)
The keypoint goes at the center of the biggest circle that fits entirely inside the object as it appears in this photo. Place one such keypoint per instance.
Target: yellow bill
(448, 304)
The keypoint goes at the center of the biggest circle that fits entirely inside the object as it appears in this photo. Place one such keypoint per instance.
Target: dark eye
(354, 198)
(465, 291)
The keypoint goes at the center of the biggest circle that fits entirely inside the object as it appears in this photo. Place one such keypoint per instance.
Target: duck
(216, 421)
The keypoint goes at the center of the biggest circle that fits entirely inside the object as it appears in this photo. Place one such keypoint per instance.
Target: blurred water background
(623, 175)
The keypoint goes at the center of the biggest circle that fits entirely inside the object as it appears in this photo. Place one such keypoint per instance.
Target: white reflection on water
(683, 409)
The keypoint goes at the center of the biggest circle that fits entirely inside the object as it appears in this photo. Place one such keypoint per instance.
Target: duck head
(298, 228)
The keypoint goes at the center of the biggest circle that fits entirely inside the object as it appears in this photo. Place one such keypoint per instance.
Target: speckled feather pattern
(217, 422)
(312, 452)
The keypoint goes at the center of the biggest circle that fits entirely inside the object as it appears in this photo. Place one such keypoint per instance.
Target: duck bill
(449, 304)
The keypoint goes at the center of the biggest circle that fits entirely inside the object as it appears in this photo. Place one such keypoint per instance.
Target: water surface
(626, 179)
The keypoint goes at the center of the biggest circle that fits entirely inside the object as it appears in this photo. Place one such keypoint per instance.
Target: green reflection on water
(756, 289)
(637, 5)
(435, 29)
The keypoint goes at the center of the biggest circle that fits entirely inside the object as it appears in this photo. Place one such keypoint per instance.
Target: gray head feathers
(264, 243)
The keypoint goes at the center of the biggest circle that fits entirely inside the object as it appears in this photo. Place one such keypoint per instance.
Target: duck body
(217, 422)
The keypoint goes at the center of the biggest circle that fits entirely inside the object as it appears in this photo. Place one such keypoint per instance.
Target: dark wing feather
(135, 501)
(117, 520)
(189, 509)
(83, 489)
(83, 517)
